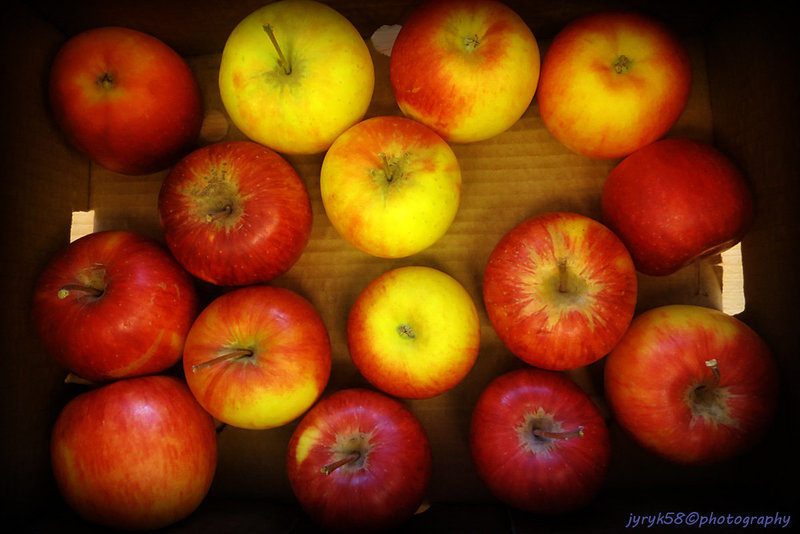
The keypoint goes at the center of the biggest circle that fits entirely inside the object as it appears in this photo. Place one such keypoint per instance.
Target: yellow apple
(414, 332)
(390, 186)
(295, 74)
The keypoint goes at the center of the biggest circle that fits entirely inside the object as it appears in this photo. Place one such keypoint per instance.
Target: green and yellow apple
(294, 74)
(613, 82)
(414, 332)
(390, 186)
(467, 69)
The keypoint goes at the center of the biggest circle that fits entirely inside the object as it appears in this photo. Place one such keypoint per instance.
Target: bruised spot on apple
(691, 384)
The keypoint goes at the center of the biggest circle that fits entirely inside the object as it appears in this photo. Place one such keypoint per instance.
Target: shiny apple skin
(267, 229)
(287, 371)
(675, 201)
(137, 454)
(379, 491)
(149, 117)
(542, 475)
(136, 327)
(662, 359)
(541, 325)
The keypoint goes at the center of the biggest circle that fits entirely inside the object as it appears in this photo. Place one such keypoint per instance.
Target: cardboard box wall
(744, 100)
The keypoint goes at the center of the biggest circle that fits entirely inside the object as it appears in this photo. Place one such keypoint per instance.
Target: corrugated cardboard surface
(518, 174)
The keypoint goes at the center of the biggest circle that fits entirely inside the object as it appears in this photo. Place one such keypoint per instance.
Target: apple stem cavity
(235, 354)
(284, 64)
(622, 64)
(331, 467)
(577, 433)
(65, 291)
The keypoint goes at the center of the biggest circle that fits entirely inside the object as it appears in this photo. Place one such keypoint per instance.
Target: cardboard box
(744, 100)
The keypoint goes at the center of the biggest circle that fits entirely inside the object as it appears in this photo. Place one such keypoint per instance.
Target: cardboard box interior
(743, 100)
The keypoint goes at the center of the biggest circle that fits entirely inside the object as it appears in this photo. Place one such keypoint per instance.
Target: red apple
(414, 332)
(692, 384)
(359, 461)
(674, 201)
(560, 290)
(125, 99)
(235, 213)
(257, 357)
(114, 304)
(613, 82)
(468, 69)
(137, 454)
(538, 442)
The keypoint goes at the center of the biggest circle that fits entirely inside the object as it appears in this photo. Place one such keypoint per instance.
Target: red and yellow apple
(560, 290)
(235, 213)
(294, 74)
(613, 82)
(125, 99)
(257, 357)
(359, 461)
(390, 186)
(112, 305)
(136, 454)
(692, 384)
(675, 201)
(413, 332)
(467, 69)
(538, 442)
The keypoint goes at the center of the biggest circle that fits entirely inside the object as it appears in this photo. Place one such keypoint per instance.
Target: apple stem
(387, 169)
(239, 353)
(330, 468)
(281, 58)
(221, 214)
(562, 276)
(577, 433)
(714, 366)
(72, 378)
(65, 290)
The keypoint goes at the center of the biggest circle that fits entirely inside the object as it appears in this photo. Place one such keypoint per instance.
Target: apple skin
(675, 201)
(379, 490)
(664, 394)
(413, 332)
(328, 89)
(598, 112)
(263, 233)
(397, 213)
(544, 475)
(522, 292)
(136, 454)
(288, 364)
(125, 99)
(136, 326)
(467, 69)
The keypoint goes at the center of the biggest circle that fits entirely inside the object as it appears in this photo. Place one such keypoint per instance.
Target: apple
(235, 213)
(295, 74)
(359, 461)
(613, 82)
(560, 290)
(692, 384)
(125, 99)
(257, 357)
(467, 69)
(413, 332)
(675, 201)
(390, 186)
(114, 304)
(538, 442)
(136, 454)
